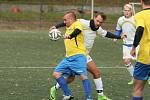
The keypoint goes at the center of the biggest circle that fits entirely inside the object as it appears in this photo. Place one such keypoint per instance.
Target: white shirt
(89, 35)
(127, 25)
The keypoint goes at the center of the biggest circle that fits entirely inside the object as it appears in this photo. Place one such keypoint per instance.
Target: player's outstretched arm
(73, 34)
(118, 33)
(113, 36)
(58, 26)
(108, 34)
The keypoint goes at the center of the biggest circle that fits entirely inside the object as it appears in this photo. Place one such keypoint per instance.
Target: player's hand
(114, 40)
(51, 28)
(123, 35)
(66, 36)
(133, 51)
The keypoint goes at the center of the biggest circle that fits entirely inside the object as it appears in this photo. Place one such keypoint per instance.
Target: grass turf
(34, 49)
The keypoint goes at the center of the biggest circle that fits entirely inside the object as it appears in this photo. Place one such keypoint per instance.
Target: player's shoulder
(121, 18)
(100, 28)
(102, 31)
(83, 20)
(141, 13)
(77, 22)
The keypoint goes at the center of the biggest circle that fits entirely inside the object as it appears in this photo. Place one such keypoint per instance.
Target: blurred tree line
(70, 2)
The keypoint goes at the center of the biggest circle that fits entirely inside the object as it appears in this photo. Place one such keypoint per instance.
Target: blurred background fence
(40, 14)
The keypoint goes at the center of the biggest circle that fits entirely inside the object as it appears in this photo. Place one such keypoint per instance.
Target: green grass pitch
(27, 58)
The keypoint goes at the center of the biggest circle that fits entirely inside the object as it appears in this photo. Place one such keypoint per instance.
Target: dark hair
(101, 14)
(71, 13)
(146, 2)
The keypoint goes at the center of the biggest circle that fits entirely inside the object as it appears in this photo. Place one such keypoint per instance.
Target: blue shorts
(74, 65)
(141, 71)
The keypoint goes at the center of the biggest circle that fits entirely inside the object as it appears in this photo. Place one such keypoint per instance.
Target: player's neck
(127, 17)
(146, 6)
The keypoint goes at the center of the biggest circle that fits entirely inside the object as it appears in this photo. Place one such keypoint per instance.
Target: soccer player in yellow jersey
(142, 37)
(75, 61)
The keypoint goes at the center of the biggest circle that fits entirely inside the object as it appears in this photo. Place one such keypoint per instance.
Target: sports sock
(57, 86)
(137, 98)
(149, 79)
(63, 84)
(99, 86)
(87, 88)
(130, 69)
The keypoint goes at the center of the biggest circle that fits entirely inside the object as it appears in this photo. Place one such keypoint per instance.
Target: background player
(126, 25)
(142, 38)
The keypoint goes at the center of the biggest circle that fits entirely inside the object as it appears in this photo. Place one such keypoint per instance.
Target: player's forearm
(111, 35)
(138, 36)
(60, 25)
(75, 33)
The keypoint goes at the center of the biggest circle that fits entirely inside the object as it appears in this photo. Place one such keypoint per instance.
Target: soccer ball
(54, 34)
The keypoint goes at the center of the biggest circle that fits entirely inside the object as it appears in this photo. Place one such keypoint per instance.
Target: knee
(96, 73)
(56, 74)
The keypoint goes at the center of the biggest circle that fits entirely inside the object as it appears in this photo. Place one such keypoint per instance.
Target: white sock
(130, 69)
(99, 86)
(57, 86)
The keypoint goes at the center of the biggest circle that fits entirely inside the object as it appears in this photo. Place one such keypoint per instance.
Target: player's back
(75, 45)
(145, 14)
(143, 19)
(89, 35)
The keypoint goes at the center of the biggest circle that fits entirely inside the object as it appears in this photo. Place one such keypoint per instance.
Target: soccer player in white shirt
(126, 25)
(91, 29)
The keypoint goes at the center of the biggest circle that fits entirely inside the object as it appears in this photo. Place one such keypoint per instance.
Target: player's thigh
(62, 66)
(92, 68)
(141, 71)
(79, 64)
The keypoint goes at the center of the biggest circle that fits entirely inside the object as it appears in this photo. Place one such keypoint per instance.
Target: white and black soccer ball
(54, 34)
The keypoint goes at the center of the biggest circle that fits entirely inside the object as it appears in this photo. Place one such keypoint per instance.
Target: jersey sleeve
(101, 32)
(78, 25)
(118, 27)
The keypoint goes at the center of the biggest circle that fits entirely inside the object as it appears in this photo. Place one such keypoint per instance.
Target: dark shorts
(141, 71)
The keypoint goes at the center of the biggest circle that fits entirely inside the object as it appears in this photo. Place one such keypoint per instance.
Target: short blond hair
(72, 14)
(128, 6)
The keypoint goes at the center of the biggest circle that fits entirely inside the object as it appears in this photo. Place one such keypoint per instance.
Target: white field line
(54, 67)
(25, 31)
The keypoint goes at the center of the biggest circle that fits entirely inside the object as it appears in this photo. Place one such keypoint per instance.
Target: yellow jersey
(143, 19)
(75, 45)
